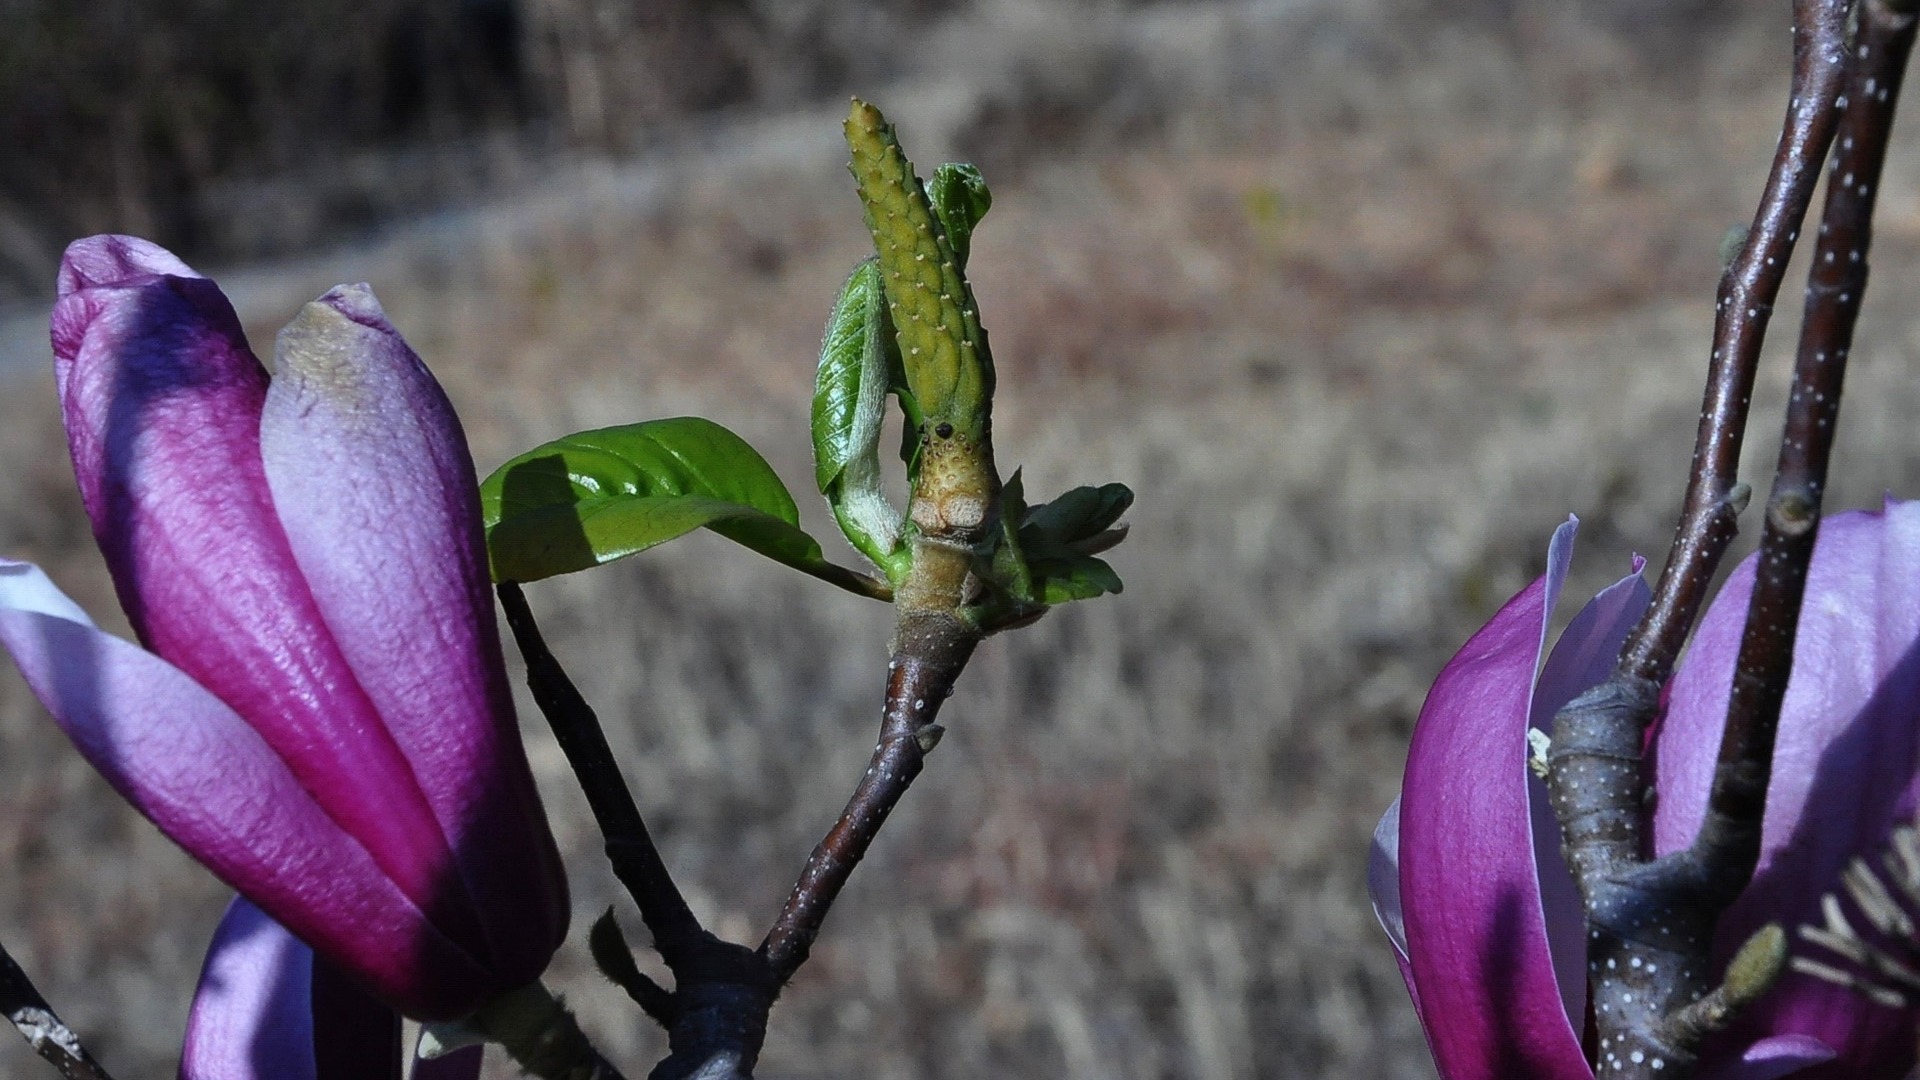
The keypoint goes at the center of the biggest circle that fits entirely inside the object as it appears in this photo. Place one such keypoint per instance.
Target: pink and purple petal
(162, 400)
(1476, 935)
(1847, 749)
(202, 774)
(373, 483)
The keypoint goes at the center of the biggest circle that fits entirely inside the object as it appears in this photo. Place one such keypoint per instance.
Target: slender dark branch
(716, 1014)
(636, 862)
(1730, 840)
(928, 658)
(1745, 304)
(45, 1032)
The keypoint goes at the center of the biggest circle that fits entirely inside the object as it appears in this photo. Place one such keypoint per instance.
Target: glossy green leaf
(596, 496)
(960, 199)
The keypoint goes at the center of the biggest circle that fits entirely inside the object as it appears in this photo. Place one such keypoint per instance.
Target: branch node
(929, 737)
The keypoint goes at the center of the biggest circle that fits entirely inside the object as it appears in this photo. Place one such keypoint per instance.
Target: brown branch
(1651, 923)
(930, 652)
(1748, 289)
(50, 1037)
(1596, 770)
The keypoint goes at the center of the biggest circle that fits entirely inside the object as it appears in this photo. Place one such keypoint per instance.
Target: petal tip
(111, 259)
(357, 302)
(26, 587)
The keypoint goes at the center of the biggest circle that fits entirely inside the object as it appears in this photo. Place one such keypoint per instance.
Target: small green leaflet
(1068, 524)
(596, 496)
(1058, 581)
(1061, 538)
(849, 403)
(960, 199)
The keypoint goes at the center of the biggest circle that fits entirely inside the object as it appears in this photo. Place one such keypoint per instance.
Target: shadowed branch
(716, 1015)
(1742, 310)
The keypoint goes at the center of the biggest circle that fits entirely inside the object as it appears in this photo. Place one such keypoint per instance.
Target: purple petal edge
(1476, 939)
(252, 1016)
(206, 778)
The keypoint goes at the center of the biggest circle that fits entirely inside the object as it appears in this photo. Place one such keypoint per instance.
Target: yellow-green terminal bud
(1756, 967)
(943, 349)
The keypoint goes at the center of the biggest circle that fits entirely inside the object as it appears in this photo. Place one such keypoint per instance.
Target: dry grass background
(1361, 302)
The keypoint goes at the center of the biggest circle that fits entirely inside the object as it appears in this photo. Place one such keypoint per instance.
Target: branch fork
(1651, 921)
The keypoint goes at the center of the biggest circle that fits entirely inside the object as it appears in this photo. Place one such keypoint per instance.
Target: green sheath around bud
(943, 350)
(942, 347)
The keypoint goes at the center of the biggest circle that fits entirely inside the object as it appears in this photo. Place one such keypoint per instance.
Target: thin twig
(636, 862)
(927, 660)
(1748, 289)
(1595, 763)
(51, 1038)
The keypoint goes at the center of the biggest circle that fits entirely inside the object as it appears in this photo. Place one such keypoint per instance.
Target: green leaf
(849, 403)
(1059, 581)
(1079, 522)
(850, 387)
(1009, 560)
(596, 496)
(960, 198)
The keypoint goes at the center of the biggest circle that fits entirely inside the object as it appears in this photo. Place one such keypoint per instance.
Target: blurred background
(1361, 298)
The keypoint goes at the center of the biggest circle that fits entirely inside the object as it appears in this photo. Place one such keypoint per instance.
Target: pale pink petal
(252, 1016)
(210, 782)
(372, 480)
(1582, 659)
(1383, 889)
(267, 1009)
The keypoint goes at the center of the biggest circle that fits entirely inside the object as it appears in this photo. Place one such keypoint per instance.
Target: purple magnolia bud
(323, 717)
(1467, 875)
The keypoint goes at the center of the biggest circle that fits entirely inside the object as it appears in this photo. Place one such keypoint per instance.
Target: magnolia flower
(268, 1009)
(321, 714)
(1467, 876)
